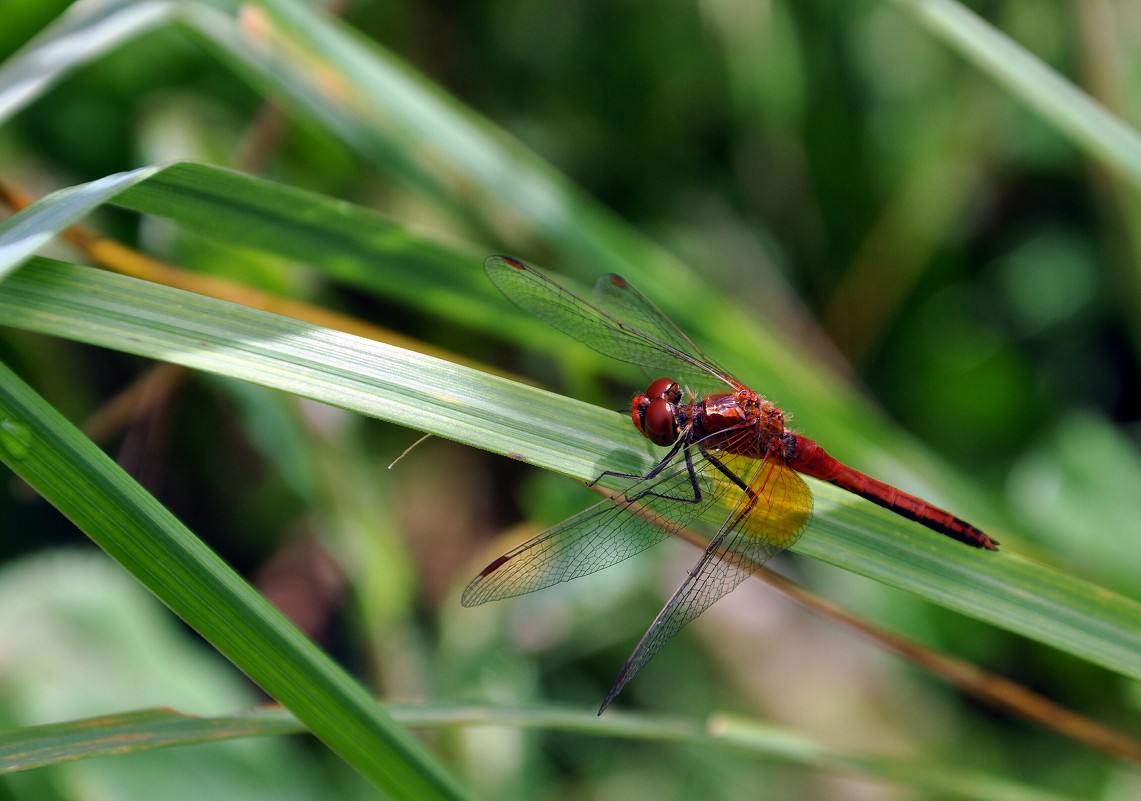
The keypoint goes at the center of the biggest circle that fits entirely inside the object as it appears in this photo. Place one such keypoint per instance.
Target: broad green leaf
(549, 431)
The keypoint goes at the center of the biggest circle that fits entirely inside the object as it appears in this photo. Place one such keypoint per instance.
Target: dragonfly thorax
(740, 422)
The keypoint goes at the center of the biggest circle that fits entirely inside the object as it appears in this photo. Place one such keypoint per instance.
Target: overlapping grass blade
(549, 431)
(161, 728)
(76, 477)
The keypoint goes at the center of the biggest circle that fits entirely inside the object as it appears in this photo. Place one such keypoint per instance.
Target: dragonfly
(730, 457)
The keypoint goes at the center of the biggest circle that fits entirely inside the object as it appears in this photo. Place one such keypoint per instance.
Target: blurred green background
(833, 168)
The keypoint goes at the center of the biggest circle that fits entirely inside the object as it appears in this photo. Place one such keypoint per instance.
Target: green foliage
(794, 162)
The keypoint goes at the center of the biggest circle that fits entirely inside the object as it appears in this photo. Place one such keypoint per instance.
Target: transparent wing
(765, 521)
(674, 357)
(625, 524)
(618, 297)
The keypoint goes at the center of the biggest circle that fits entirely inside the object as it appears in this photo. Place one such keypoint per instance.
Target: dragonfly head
(655, 412)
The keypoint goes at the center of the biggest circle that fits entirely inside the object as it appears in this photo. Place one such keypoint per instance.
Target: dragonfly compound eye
(665, 388)
(658, 423)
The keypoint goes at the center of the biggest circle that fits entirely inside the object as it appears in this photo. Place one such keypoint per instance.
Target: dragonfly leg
(690, 472)
(662, 465)
(729, 474)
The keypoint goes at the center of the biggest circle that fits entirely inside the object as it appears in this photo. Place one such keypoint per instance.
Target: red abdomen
(807, 457)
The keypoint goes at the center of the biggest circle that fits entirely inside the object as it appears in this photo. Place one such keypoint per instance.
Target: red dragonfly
(729, 453)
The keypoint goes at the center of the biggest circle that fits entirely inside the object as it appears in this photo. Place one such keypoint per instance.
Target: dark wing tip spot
(510, 262)
(498, 563)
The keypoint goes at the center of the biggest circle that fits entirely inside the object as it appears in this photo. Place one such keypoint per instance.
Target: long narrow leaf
(23, 749)
(24, 234)
(76, 477)
(1081, 118)
(550, 431)
(84, 32)
(365, 250)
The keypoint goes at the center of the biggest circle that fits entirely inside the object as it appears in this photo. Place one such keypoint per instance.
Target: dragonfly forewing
(592, 540)
(560, 308)
(647, 511)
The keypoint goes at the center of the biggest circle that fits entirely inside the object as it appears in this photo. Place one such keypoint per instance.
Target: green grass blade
(37, 746)
(505, 420)
(31, 747)
(1087, 123)
(84, 32)
(411, 127)
(76, 477)
(351, 244)
(24, 234)
(367, 251)
(549, 431)
(400, 120)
